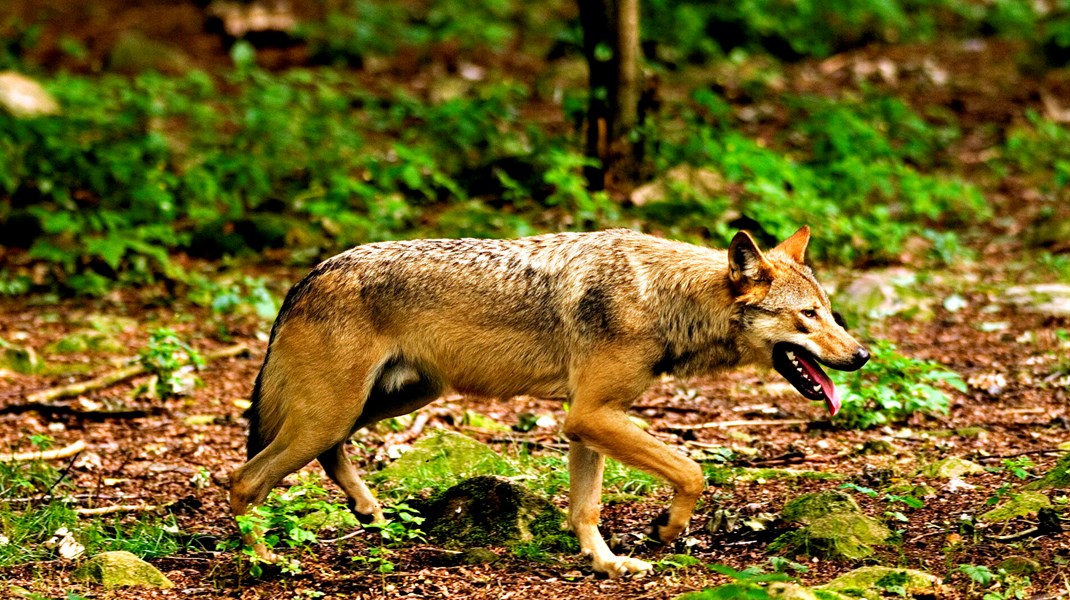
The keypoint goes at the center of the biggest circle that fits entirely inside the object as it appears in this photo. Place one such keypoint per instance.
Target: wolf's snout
(860, 358)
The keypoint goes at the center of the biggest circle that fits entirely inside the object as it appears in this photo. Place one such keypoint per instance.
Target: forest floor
(151, 452)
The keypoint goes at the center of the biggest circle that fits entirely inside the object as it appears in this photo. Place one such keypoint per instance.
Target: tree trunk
(611, 45)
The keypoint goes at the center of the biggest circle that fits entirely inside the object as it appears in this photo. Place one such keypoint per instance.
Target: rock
(478, 556)
(24, 98)
(778, 590)
(1051, 299)
(134, 52)
(121, 569)
(1017, 505)
(490, 511)
(1019, 565)
(878, 446)
(951, 468)
(681, 182)
(20, 359)
(440, 460)
(1057, 478)
(877, 294)
(835, 527)
(845, 536)
(810, 507)
(873, 583)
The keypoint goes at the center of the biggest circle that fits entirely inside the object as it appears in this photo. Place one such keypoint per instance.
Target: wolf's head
(787, 316)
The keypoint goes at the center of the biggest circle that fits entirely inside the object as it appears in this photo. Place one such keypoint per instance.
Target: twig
(107, 510)
(1022, 453)
(1016, 536)
(351, 534)
(65, 452)
(726, 424)
(113, 377)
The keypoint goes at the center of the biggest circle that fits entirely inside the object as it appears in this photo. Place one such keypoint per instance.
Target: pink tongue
(832, 398)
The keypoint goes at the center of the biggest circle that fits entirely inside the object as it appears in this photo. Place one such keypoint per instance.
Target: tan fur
(383, 329)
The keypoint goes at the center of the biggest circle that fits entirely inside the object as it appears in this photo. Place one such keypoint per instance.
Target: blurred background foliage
(353, 121)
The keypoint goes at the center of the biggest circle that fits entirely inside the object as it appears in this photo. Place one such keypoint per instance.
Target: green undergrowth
(863, 171)
(38, 519)
(134, 171)
(892, 387)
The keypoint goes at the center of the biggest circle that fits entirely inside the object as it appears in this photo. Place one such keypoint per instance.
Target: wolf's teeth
(796, 363)
(817, 388)
(791, 356)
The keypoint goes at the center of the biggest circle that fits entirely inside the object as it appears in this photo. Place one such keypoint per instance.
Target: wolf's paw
(619, 566)
(660, 531)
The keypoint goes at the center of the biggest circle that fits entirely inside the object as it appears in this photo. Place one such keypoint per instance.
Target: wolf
(383, 329)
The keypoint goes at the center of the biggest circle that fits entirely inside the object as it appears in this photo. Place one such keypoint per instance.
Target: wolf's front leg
(585, 494)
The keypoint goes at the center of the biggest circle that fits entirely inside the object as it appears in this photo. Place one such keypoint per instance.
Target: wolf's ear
(746, 263)
(795, 246)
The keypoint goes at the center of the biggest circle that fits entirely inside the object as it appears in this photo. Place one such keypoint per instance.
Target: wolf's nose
(861, 357)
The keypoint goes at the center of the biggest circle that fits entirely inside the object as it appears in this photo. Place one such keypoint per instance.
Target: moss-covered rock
(440, 460)
(873, 583)
(1057, 478)
(492, 511)
(1020, 565)
(1017, 505)
(20, 359)
(722, 475)
(778, 590)
(121, 569)
(810, 507)
(950, 468)
(844, 536)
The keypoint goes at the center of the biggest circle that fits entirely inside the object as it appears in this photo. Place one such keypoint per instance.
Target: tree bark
(611, 46)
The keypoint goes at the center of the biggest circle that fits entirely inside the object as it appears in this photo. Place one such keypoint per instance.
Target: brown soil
(151, 458)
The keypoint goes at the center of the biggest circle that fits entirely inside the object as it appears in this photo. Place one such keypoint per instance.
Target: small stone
(872, 582)
(1020, 565)
(1018, 505)
(951, 468)
(684, 182)
(24, 98)
(121, 569)
(20, 359)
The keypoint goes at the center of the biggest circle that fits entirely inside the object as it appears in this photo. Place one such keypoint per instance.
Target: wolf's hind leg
(341, 470)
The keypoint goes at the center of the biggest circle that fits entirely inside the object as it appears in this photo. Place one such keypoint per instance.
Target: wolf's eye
(810, 314)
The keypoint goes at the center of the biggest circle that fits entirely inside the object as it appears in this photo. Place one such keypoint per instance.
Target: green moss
(494, 511)
(121, 569)
(1057, 478)
(722, 475)
(844, 536)
(810, 507)
(872, 582)
(438, 461)
(950, 468)
(1018, 505)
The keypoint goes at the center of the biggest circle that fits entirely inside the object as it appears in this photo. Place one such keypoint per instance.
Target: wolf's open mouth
(800, 368)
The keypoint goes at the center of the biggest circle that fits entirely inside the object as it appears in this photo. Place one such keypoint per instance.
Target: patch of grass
(893, 387)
